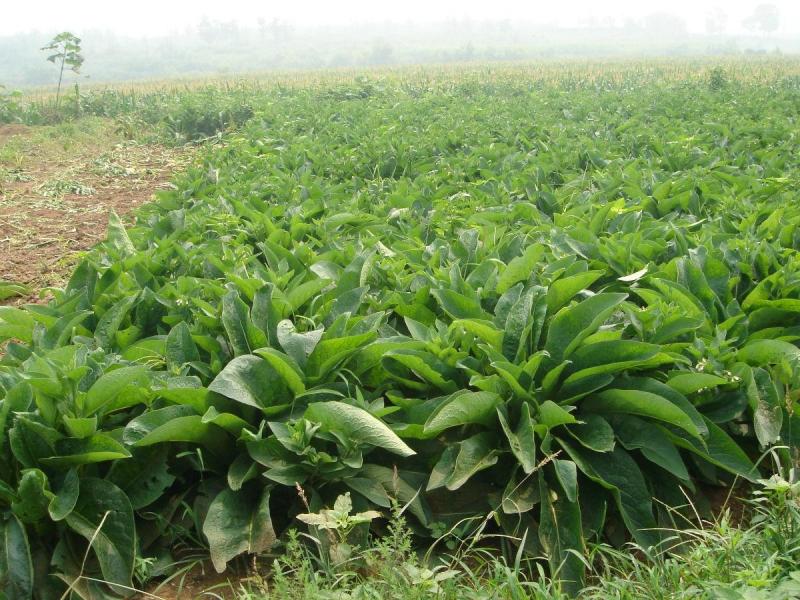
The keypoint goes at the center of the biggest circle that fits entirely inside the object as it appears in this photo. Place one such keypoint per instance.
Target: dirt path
(196, 586)
(56, 195)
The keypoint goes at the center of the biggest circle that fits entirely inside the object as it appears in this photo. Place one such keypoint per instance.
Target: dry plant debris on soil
(55, 196)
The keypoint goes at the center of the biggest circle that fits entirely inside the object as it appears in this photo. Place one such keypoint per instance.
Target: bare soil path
(57, 187)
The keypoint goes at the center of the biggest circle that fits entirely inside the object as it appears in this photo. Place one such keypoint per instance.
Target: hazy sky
(155, 17)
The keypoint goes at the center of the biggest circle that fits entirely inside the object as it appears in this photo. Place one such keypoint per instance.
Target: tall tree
(716, 21)
(66, 49)
(766, 18)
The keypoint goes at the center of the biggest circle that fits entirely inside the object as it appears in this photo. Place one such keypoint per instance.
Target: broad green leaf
(346, 304)
(766, 352)
(675, 328)
(511, 375)
(117, 237)
(81, 451)
(551, 379)
(370, 489)
(572, 324)
(638, 434)
(110, 322)
(9, 289)
(641, 403)
(519, 268)
(238, 522)
(522, 441)
(768, 407)
(443, 469)
(173, 424)
(463, 408)
(31, 441)
(567, 474)
(231, 423)
(524, 324)
(333, 352)
(297, 345)
(720, 449)
(520, 495)
(33, 497)
(16, 323)
(594, 433)
(286, 367)
(242, 470)
(679, 295)
(572, 390)
(552, 415)
(689, 383)
(16, 566)
(561, 535)
(80, 427)
(253, 381)
(354, 426)
(266, 314)
(117, 389)
(180, 347)
(480, 328)
(424, 365)
(403, 485)
(613, 356)
(65, 498)
(144, 477)
(301, 294)
(62, 331)
(196, 397)
(459, 306)
(563, 290)
(618, 472)
(647, 384)
(103, 515)
(236, 321)
(475, 454)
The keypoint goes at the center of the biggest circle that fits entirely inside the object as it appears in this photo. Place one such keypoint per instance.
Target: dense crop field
(554, 307)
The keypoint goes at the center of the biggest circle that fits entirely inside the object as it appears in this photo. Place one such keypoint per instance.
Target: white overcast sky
(156, 17)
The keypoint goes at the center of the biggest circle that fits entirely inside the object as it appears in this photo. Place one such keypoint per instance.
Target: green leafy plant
(717, 79)
(11, 108)
(10, 289)
(339, 524)
(552, 332)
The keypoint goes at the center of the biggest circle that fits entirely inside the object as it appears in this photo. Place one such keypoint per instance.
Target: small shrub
(718, 79)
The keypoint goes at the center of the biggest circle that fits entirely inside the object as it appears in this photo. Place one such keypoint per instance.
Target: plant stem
(61, 75)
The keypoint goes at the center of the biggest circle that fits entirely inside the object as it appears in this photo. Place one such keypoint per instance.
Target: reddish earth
(45, 224)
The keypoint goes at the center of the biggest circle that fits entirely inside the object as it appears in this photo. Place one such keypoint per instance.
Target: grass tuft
(721, 560)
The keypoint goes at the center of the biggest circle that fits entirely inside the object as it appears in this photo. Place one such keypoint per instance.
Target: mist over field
(206, 38)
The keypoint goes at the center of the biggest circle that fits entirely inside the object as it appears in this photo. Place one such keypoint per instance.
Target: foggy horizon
(151, 40)
(149, 18)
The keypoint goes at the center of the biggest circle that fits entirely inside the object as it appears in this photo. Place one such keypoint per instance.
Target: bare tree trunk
(60, 77)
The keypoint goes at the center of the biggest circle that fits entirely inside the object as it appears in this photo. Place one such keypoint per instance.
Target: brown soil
(198, 584)
(721, 499)
(45, 224)
(7, 131)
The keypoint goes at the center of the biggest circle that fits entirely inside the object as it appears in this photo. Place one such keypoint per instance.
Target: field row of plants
(552, 312)
(194, 109)
(179, 115)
